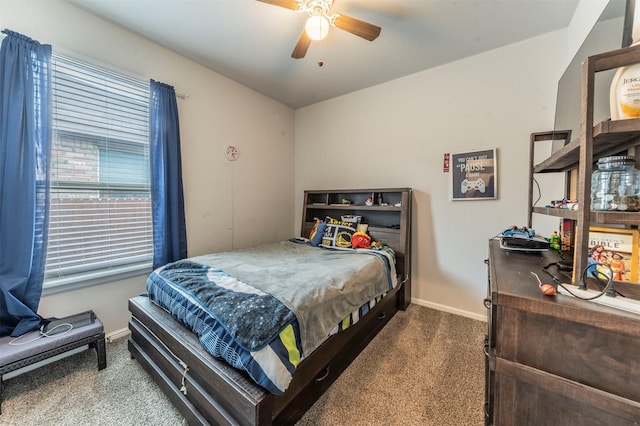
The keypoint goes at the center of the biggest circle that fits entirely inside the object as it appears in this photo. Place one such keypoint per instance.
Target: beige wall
(395, 135)
(586, 14)
(228, 204)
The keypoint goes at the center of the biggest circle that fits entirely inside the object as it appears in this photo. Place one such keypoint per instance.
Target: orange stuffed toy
(360, 240)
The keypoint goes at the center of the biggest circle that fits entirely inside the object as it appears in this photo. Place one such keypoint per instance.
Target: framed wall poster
(474, 175)
(617, 248)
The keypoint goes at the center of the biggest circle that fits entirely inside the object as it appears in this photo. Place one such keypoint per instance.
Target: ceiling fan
(319, 21)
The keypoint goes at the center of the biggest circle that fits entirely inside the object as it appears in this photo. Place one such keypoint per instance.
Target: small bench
(16, 356)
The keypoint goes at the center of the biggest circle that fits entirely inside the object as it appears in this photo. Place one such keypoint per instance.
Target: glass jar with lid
(615, 185)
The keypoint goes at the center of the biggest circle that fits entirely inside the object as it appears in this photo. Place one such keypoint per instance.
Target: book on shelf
(617, 248)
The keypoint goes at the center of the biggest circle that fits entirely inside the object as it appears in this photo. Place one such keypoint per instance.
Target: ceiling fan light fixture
(317, 27)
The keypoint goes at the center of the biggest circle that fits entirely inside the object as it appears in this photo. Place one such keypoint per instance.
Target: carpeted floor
(426, 367)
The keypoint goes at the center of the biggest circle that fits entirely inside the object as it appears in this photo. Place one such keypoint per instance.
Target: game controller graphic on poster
(468, 185)
(474, 175)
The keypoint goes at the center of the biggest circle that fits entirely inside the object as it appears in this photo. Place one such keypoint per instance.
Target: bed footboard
(217, 393)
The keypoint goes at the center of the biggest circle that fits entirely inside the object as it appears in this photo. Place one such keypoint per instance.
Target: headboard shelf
(388, 217)
(352, 207)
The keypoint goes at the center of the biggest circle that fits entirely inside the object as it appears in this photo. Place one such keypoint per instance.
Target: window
(100, 205)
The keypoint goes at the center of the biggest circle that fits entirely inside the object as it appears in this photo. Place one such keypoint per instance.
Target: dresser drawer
(587, 353)
(527, 396)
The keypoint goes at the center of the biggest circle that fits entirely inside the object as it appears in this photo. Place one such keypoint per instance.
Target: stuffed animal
(360, 240)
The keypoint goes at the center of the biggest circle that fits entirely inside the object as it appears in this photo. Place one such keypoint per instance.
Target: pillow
(355, 220)
(316, 238)
(315, 228)
(337, 233)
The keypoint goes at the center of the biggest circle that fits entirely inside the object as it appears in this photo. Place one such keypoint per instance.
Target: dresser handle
(382, 315)
(485, 348)
(487, 303)
(324, 375)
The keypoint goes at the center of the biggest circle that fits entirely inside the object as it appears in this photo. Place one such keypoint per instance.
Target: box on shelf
(566, 235)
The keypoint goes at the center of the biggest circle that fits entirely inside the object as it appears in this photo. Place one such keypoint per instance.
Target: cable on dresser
(539, 192)
(598, 275)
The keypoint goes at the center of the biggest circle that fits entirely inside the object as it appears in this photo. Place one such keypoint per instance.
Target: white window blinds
(100, 210)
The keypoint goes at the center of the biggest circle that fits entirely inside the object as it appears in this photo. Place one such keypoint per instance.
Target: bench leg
(102, 353)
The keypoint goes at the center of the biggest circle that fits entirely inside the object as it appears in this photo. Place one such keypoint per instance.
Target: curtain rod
(182, 95)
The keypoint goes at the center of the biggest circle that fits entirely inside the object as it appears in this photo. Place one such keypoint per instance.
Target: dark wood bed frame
(217, 393)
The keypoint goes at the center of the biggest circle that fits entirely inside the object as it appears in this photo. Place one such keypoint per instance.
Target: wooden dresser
(556, 360)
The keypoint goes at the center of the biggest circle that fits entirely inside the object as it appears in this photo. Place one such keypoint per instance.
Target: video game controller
(472, 184)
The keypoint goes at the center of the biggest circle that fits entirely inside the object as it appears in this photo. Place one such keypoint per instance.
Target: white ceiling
(251, 42)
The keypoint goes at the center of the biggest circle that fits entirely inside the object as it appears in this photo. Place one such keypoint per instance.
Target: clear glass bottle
(615, 185)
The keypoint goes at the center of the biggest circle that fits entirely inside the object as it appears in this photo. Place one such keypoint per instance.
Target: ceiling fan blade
(301, 47)
(357, 27)
(289, 4)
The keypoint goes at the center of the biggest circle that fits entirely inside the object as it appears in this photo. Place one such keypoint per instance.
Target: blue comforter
(252, 317)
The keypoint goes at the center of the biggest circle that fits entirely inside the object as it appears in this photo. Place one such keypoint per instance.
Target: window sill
(88, 279)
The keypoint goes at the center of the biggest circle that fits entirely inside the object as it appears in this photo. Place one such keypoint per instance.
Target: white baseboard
(449, 309)
(118, 334)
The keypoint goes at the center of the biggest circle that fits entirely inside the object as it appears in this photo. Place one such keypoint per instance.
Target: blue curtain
(25, 139)
(169, 230)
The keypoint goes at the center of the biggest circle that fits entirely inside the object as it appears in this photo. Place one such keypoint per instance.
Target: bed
(190, 331)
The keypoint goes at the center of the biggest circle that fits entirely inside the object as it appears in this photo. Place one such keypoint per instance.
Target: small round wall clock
(232, 153)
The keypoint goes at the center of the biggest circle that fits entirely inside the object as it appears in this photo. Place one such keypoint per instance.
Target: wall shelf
(561, 213)
(596, 140)
(597, 218)
(609, 137)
